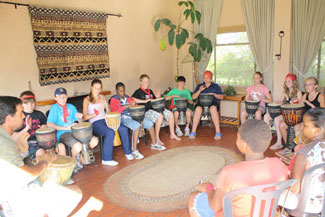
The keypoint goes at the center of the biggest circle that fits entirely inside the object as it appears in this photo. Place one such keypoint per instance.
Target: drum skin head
(274, 104)
(292, 106)
(82, 125)
(251, 101)
(112, 115)
(137, 107)
(45, 130)
(61, 160)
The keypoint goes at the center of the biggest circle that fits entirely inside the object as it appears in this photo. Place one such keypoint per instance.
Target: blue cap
(59, 91)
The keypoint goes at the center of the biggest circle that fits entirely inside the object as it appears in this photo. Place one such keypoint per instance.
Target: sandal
(217, 136)
(192, 135)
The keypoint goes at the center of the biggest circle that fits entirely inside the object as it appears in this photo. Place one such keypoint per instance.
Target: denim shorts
(128, 122)
(201, 205)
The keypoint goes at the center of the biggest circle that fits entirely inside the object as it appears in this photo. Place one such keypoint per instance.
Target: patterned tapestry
(71, 45)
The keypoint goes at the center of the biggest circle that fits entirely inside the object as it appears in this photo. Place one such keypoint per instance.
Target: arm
(299, 95)
(299, 167)
(140, 100)
(198, 91)
(50, 124)
(85, 105)
(321, 100)
(218, 96)
(303, 99)
(268, 98)
(247, 95)
(35, 170)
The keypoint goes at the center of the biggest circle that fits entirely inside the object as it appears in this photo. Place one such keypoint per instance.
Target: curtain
(308, 30)
(210, 16)
(259, 21)
(70, 45)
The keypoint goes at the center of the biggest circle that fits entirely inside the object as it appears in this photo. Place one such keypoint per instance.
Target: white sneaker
(187, 132)
(179, 132)
(110, 163)
(137, 155)
(158, 147)
(276, 146)
(129, 156)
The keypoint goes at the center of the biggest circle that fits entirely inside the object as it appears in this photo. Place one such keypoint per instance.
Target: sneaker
(109, 162)
(187, 132)
(137, 155)
(158, 147)
(129, 156)
(69, 182)
(179, 132)
(276, 146)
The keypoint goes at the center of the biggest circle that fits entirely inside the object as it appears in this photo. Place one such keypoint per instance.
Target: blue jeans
(100, 128)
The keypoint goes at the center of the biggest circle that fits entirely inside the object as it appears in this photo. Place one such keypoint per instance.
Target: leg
(215, 118)
(243, 116)
(176, 116)
(259, 113)
(93, 142)
(133, 125)
(76, 149)
(100, 128)
(196, 118)
(39, 152)
(277, 122)
(283, 130)
(135, 139)
(157, 129)
(60, 149)
(148, 125)
(171, 124)
(152, 135)
(188, 118)
(191, 208)
(125, 137)
(267, 118)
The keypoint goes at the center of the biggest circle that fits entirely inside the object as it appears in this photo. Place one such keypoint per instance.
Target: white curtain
(259, 21)
(308, 30)
(210, 11)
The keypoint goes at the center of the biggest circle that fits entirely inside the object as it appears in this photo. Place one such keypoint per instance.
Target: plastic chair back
(304, 192)
(269, 193)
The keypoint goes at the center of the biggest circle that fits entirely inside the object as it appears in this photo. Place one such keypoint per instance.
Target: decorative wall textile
(70, 45)
(259, 21)
(308, 31)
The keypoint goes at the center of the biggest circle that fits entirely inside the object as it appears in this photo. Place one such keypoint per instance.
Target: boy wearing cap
(62, 117)
(34, 120)
(211, 88)
(180, 92)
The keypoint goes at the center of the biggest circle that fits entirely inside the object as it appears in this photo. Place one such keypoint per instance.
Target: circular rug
(162, 182)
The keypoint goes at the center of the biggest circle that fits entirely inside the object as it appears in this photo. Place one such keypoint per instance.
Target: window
(234, 61)
(317, 68)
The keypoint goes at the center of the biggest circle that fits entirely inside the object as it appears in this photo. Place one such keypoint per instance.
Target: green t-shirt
(184, 94)
(9, 150)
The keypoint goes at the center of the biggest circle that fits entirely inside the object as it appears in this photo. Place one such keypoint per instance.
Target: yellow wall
(133, 46)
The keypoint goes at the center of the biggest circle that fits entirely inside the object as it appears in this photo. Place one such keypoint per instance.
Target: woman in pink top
(259, 92)
(94, 107)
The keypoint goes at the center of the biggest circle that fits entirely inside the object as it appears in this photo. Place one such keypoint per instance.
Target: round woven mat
(163, 181)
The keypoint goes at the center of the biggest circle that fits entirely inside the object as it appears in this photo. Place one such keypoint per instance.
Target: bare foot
(160, 142)
(175, 137)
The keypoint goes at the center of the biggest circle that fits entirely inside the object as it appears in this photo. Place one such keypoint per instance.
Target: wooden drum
(46, 137)
(251, 106)
(83, 132)
(158, 105)
(137, 112)
(59, 171)
(274, 110)
(113, 121)
(292, 115)
(206, 99)
(181, 105)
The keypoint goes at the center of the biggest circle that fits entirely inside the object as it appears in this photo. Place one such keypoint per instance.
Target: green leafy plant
(179, 35)
(230, 91)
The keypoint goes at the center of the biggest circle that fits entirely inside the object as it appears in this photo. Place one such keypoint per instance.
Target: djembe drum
(59, 171)
(137, 113)
(292, 115)
(83, 132)
(158, 104)
(113, 121)
(181, 106)
(46, 137)
(206, 100)
(274, 110)
(251, 108)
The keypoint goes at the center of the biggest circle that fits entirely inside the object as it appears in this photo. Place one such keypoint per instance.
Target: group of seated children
(63, 116)
(312, 98)
(253, 139)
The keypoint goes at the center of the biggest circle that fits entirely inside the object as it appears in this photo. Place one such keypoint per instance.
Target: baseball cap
(59, 91)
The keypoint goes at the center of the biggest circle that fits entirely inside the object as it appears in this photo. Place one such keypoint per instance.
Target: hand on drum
(69, 127)
(22, 142)
(79, 116)
(201, 187)
(157, 93)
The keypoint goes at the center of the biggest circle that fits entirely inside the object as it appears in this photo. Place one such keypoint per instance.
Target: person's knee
(77, 147)
(40, 152)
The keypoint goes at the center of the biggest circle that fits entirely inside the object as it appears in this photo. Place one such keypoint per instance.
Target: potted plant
(179, 35)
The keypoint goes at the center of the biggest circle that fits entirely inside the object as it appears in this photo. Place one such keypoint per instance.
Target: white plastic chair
(304, 193)
(270, 193)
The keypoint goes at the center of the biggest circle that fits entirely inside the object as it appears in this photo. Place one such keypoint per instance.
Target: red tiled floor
(92, 178)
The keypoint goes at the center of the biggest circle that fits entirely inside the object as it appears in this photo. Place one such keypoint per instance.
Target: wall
(133, 46)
